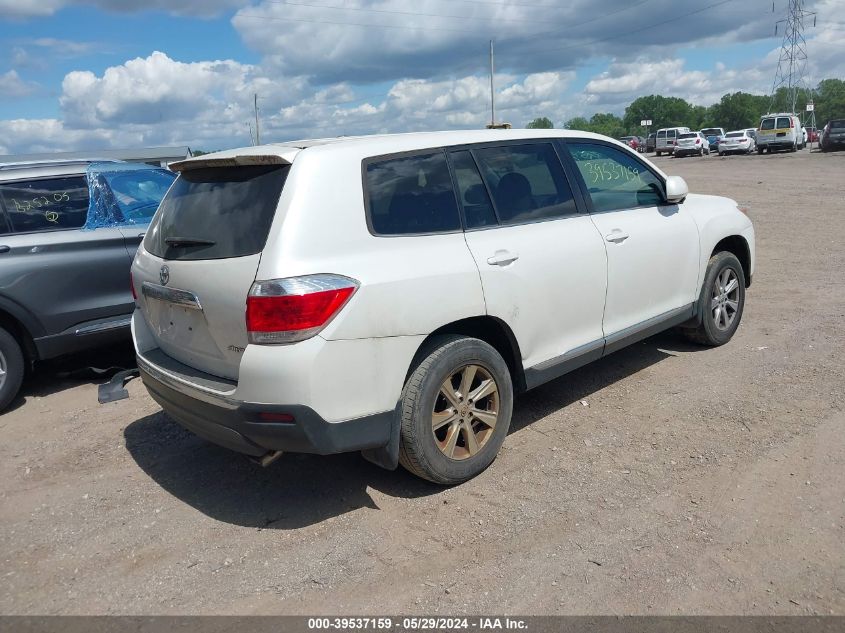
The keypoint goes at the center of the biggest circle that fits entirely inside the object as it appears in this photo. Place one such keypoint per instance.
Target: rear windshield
(735, 135)
(767, 124)
(837, 124)
(783, 122)
(711, 131)
(688, 135)
(217, 212)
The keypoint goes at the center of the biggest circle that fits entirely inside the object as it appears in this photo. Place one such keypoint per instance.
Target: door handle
(616, 236)
(502, 258)
(4, 249)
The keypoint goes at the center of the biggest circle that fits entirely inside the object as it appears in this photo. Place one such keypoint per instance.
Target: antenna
(257, 132)
(792, 63)
(492, 90)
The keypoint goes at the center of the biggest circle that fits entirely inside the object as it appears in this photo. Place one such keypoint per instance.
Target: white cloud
(25, 9)
(13, 87)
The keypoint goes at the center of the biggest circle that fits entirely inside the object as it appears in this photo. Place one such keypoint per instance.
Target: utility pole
(792, 63)
(492, 90)
(257, 132)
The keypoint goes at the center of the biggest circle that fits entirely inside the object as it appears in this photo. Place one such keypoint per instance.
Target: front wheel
(456, 410)
(721, 302)
(12, 368)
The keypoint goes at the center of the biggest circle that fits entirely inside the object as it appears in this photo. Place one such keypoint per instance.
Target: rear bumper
(236, 425)
(687, 151)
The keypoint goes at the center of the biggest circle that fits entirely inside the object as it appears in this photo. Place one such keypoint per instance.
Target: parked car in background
(779, 132)
(68, 233)
(651, 142)
(631, 141)
(691, 143)
(833, 135)
(737, 142)
(812, 134)
(666, 138)
(751, 132)
(713, 136)
(263, 331)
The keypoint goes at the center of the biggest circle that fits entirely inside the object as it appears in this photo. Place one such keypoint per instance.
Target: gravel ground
(663, 479)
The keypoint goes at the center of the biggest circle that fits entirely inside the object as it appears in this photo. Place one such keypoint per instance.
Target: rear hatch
(837, 129)
(200, 258)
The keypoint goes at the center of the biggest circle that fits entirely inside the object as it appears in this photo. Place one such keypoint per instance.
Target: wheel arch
(493, 331)
(17, 329)
(737, 245)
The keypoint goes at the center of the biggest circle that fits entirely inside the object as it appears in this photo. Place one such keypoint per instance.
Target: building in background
(157, 156)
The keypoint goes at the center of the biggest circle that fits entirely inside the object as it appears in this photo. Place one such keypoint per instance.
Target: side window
(44, 205)
(478, 209)
(411, 195)
(614, 179)
(527, 182)
(5, 228)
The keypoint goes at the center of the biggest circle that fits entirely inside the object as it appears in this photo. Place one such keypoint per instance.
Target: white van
(666, 138)
(780, 131)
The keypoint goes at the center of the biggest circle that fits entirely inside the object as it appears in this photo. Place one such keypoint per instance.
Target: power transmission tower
(792, 64)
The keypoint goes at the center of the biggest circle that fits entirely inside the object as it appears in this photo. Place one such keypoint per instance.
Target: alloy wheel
(2, 370)
(725, 299)
(465, 412)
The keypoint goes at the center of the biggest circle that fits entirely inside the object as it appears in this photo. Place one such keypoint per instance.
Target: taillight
(698, 141)
(296, 308)
(791, 123)
(132, 285)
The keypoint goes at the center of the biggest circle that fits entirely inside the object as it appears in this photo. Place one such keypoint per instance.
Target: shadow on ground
(91, 367)
(302, 490)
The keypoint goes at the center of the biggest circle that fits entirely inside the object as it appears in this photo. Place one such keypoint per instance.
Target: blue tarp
(123, 194)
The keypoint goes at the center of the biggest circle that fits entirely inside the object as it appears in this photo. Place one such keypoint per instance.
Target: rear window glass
(767, 124)
(783, 122)
(735, 134)
(46, 205)
(661, 134)
(711, 131)
(216, 213)
(692, 135)
(411, 195)
(838, 123)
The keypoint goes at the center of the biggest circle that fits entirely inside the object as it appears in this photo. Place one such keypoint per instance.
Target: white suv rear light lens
(289, 310)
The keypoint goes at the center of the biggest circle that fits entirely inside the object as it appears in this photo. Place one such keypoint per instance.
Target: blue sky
(95, 73)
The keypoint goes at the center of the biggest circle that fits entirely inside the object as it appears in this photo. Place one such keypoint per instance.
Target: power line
(450, 16)
(639, 30)
(792, 62)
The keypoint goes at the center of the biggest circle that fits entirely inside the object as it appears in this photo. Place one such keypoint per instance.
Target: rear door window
(217, 213)
(477, 206)
(411, 195)
(767, 124)
(46, 205)
(527, 182)
(783, 122)
(661, 134)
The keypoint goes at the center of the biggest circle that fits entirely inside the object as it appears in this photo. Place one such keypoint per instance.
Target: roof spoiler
(229, 161)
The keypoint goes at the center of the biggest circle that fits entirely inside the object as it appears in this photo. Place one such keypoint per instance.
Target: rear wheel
(456, 410)
(11, 368)
(760, 151)
(721, 301)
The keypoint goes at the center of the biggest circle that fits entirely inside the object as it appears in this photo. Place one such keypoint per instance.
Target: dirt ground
(663, 479)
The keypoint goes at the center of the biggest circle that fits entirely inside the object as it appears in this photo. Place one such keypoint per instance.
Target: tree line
(734, 111)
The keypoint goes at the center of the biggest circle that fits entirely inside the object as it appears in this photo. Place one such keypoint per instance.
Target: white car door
(652, 247)
(542, 264)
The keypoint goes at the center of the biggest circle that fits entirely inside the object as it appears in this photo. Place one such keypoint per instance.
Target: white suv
(390, 294)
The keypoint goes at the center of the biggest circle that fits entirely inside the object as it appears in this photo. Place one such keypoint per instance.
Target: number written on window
(44, 205)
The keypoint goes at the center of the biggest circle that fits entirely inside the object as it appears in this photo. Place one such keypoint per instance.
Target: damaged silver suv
(68, 233)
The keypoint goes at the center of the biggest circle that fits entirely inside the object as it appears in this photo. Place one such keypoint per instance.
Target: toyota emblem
(164, 275)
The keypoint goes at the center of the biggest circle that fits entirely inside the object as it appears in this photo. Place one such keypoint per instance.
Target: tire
(425, 452)
(794, 148)
(12, 368)
(760, 151)
(722, 266)
(657, 153)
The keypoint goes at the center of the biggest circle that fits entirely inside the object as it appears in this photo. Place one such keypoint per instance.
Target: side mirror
(676, 189)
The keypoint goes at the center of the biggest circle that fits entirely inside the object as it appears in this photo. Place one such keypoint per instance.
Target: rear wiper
(178, 242)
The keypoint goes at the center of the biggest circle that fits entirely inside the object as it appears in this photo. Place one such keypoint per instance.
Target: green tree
(578, 123)
(607, 124)
(830, 100)
(663, 112)
(540, 123)
(738, 110)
